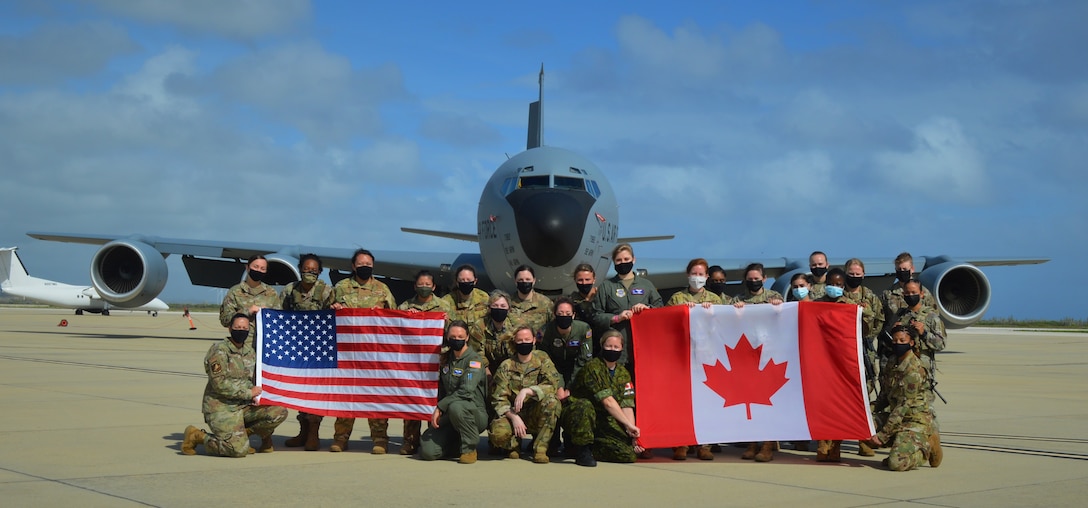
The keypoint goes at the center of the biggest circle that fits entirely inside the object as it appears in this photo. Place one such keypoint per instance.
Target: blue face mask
(834, 291)
(800, 293)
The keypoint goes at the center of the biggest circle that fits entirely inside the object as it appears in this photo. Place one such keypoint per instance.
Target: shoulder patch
(216, 368)
(589, 334)
(474, 364)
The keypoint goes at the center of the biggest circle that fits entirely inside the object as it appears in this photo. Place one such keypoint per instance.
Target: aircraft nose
(550, 223)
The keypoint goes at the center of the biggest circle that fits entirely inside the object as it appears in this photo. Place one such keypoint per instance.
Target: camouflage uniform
(495, 345)
(241, 297)
(586, 418)
(872, 323)
(583, 308)
(462, 399)
(413, 427)
(615, 296)
(534, 312)
(765, 297)
(228, 402)
(685, 295)
(374, 294)
(893, 299)
(817, 290)
(319, 297)
(471, 310)
(927, 345)
(903, 414)
(569, 352)
(540, 413)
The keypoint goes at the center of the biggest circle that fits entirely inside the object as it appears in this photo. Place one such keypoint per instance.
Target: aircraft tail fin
(12, 271)
(535, 119)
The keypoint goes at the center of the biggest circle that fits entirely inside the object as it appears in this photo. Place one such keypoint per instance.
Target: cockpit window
(569, 183)
(534, 182)
(594, 191)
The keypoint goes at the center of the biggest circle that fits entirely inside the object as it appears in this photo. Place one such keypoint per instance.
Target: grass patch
(1056, 324)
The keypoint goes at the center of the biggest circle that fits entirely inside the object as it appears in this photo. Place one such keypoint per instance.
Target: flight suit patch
(638, 291)
(458, 372)
(574, 343)
(557, 342)
(446, 369)
(474, 365)
(620, 293)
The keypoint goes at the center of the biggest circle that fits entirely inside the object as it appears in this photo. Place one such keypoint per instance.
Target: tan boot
(380, 445)
(266, 444)
(680, 453)
(750, 453)
(766, 452)
(864, 449)
(193, 437)
(411, 437)
(935, 452)
(823, 446)
(341, 432)
(303, 429)
(704, 453)
(541, 457)
(467, 458)
(833, 453)
(313, 439)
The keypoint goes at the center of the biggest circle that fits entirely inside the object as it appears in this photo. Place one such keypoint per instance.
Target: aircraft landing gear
(105, 312)
(79, 312)
(155, 313)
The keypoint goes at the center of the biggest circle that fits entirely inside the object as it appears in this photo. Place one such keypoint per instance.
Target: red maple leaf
(746, 384)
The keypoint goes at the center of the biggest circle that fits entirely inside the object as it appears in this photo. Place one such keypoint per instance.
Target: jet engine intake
(961, 289)
(282, 270)
(128, 273)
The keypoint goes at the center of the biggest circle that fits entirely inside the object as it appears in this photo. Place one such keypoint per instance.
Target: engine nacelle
(128, 273)
(962, 292)
(282, 270)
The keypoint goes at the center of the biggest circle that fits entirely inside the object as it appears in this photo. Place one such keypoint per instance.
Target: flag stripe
(837, 405)
(662, 391)
(389, 329)
(378, 347)
(352, 397)
(372, 377)
(372, 383)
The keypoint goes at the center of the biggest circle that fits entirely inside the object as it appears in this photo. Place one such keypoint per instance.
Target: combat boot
(411, 437)
(823, 446)
(750, 453)
(704, 453)
(833, 453)
(541, 457)
(467, 458)
(766, 452)
(380, 444)
(313, 439)
(865, 450)
(585, 457)
(935, 452)
(303, 430)
(266, 444)
(193, 437)
(341, 432)
(680, 453)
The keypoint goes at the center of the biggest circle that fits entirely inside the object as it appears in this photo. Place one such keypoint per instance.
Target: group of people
(562, 372)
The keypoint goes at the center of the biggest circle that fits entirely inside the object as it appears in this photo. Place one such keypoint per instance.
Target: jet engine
(282, 270)
(128, 273)
(961, 289)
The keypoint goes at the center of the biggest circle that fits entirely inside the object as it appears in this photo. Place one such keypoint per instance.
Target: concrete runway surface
(92, 415)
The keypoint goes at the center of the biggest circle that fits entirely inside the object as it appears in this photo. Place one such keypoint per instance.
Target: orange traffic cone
(191, 326)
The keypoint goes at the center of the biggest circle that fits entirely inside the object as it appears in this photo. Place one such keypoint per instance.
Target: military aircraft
(546, 207)
(16, 281)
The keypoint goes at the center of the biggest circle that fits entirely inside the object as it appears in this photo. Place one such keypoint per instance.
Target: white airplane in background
(546, 207)
(16, 281)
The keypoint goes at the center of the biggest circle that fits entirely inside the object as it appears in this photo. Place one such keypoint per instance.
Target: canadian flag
(759, 373)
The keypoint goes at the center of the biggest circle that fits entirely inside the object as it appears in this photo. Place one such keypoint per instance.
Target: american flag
(355, 363)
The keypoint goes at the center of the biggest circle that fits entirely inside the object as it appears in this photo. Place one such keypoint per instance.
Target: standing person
(467, 302)
(495, 339)
(754, 293)
(310, 293)
(695, 294)
(585, 279)
(903, 413)
(817, 265)
(828, 450)
(716, 281)
(362, 291)
(524, 399)
(621, 297)
(892, 298)
(423, 301)
(872, 323)
(249, 296)
(800, 288)
(569, 343)
(229, 396)
(529, 308)
(929, 330)
(600, 413)
(461, 413)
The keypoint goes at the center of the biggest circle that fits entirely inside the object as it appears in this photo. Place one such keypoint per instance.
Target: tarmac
(93, 414)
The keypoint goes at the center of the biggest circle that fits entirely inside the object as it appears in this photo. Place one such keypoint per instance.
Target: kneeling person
(524, 399)
(906, 424)
(228, 400)
(601, 413)
(461, 414)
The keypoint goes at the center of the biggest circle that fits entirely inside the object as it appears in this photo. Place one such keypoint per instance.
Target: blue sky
(857, 128)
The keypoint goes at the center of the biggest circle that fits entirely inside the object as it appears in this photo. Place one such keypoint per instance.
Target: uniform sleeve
(327, 297)
(287, 299)
(596, 381)
(466, 390)
(627, 396)
(225, 387)
(913, 400)
(390, 302)
(655, 297)
(935, 333)
(228, 308)
(551, 380)
(603, 308)
(878, 312)
(677, 298)
(501, 395)
(585, 353)
(403, 305)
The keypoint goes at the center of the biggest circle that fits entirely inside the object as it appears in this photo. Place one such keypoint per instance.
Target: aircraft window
(593, 189)
(508, 185)
(568, 182)
(527, 169)
(534, 182)
(578, 171)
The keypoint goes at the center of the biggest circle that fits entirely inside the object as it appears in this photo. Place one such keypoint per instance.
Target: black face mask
(466, 287)
(585, 288)
(853, 282)
(912, 300)
(903, 275)
(716, 287)
(524, 348)
(525, 287)
(610, 355)
(563, 322)
(256, 276)
(819, 271)
(900, 349)
(625, 268)
(754, 285)
(364, 272)
(499, 315)
(238, 336)
(456, 345)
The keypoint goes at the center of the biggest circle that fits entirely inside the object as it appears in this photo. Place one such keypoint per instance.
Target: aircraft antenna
(535, 119)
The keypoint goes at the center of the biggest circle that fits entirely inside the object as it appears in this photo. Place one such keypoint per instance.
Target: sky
(747, 129)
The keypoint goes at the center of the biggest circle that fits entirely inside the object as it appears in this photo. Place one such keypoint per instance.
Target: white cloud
(944, 164)
(56, 52)
(243, 19)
